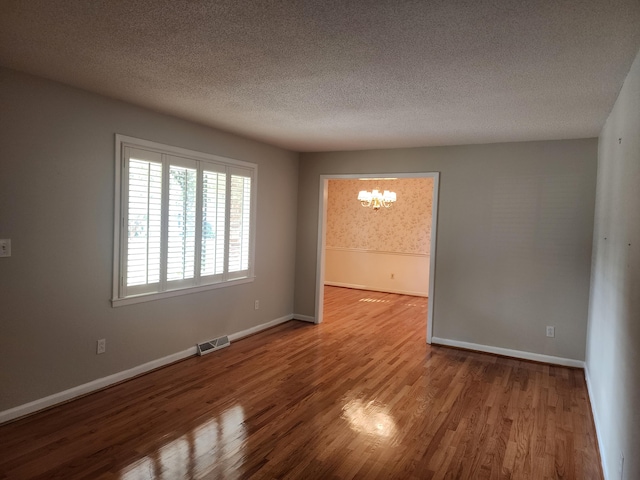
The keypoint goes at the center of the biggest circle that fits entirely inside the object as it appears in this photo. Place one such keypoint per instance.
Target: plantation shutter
(239, 223)
(214, 194)
(185, 221)
(181, 222)
(143, 220)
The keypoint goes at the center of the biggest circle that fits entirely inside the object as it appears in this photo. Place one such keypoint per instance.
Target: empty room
(319, 240)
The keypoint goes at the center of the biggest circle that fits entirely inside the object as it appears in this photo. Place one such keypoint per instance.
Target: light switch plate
(5, 247)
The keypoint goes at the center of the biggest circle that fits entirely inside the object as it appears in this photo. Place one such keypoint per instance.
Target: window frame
(217, 164)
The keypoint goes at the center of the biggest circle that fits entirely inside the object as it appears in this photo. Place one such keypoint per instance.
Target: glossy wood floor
(360, 396)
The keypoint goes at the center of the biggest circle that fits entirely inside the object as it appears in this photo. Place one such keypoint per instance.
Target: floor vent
(215, 344)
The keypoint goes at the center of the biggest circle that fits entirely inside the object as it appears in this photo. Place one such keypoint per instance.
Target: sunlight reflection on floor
(379, 300)
(374, 300)
(216, 444)
(370, 418)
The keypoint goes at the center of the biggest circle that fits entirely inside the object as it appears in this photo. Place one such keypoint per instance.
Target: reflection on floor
(216, 446)
(359, 396)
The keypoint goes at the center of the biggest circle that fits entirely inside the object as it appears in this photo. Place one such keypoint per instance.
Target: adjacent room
(307, 240)
(381, 248)
(378, 236)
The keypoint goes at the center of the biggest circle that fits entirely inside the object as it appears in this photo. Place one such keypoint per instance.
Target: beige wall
(377, 271)
(613, 348)
(56, 204)
(514, 238)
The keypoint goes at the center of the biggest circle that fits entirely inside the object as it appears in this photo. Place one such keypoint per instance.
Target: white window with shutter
(185, 221)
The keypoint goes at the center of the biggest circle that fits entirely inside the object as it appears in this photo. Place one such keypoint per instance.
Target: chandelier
(376, 200)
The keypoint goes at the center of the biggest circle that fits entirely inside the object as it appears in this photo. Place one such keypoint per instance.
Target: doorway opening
(373, 254)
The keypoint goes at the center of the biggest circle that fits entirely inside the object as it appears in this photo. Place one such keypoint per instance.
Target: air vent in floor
(212, 345)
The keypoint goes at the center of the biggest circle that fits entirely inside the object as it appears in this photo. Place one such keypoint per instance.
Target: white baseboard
(304, 318)
(92, 386)
(100, 383)
(258, 328)
(373, 289)
(537, 357)
(597, 424)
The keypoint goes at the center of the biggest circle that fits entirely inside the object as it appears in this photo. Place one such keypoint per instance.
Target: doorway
(359, 255)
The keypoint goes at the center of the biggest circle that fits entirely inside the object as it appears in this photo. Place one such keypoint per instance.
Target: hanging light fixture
(376, 200)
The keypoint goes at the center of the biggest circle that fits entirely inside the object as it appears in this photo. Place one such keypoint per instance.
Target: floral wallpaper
(403, 228)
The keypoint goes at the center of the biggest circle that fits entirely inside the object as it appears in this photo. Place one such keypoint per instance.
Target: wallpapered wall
(403, 228)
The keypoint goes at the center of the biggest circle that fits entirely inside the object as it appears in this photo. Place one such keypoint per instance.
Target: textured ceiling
(333, 75)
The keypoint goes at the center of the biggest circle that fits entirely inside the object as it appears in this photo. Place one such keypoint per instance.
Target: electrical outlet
(551, 331)
(257, 305)
(5, 247)
(102, 346)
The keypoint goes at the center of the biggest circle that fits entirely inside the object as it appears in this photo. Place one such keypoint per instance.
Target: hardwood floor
(359, 396)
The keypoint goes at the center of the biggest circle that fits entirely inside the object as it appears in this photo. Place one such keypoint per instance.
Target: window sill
(148, 297)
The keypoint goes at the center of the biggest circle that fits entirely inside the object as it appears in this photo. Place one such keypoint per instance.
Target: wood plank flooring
(360, 396)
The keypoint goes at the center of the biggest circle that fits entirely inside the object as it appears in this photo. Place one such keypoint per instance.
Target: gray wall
(56, 204)
(515, 227)
(613, 347)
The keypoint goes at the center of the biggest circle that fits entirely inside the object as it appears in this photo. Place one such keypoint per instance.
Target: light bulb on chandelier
(376, 200)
